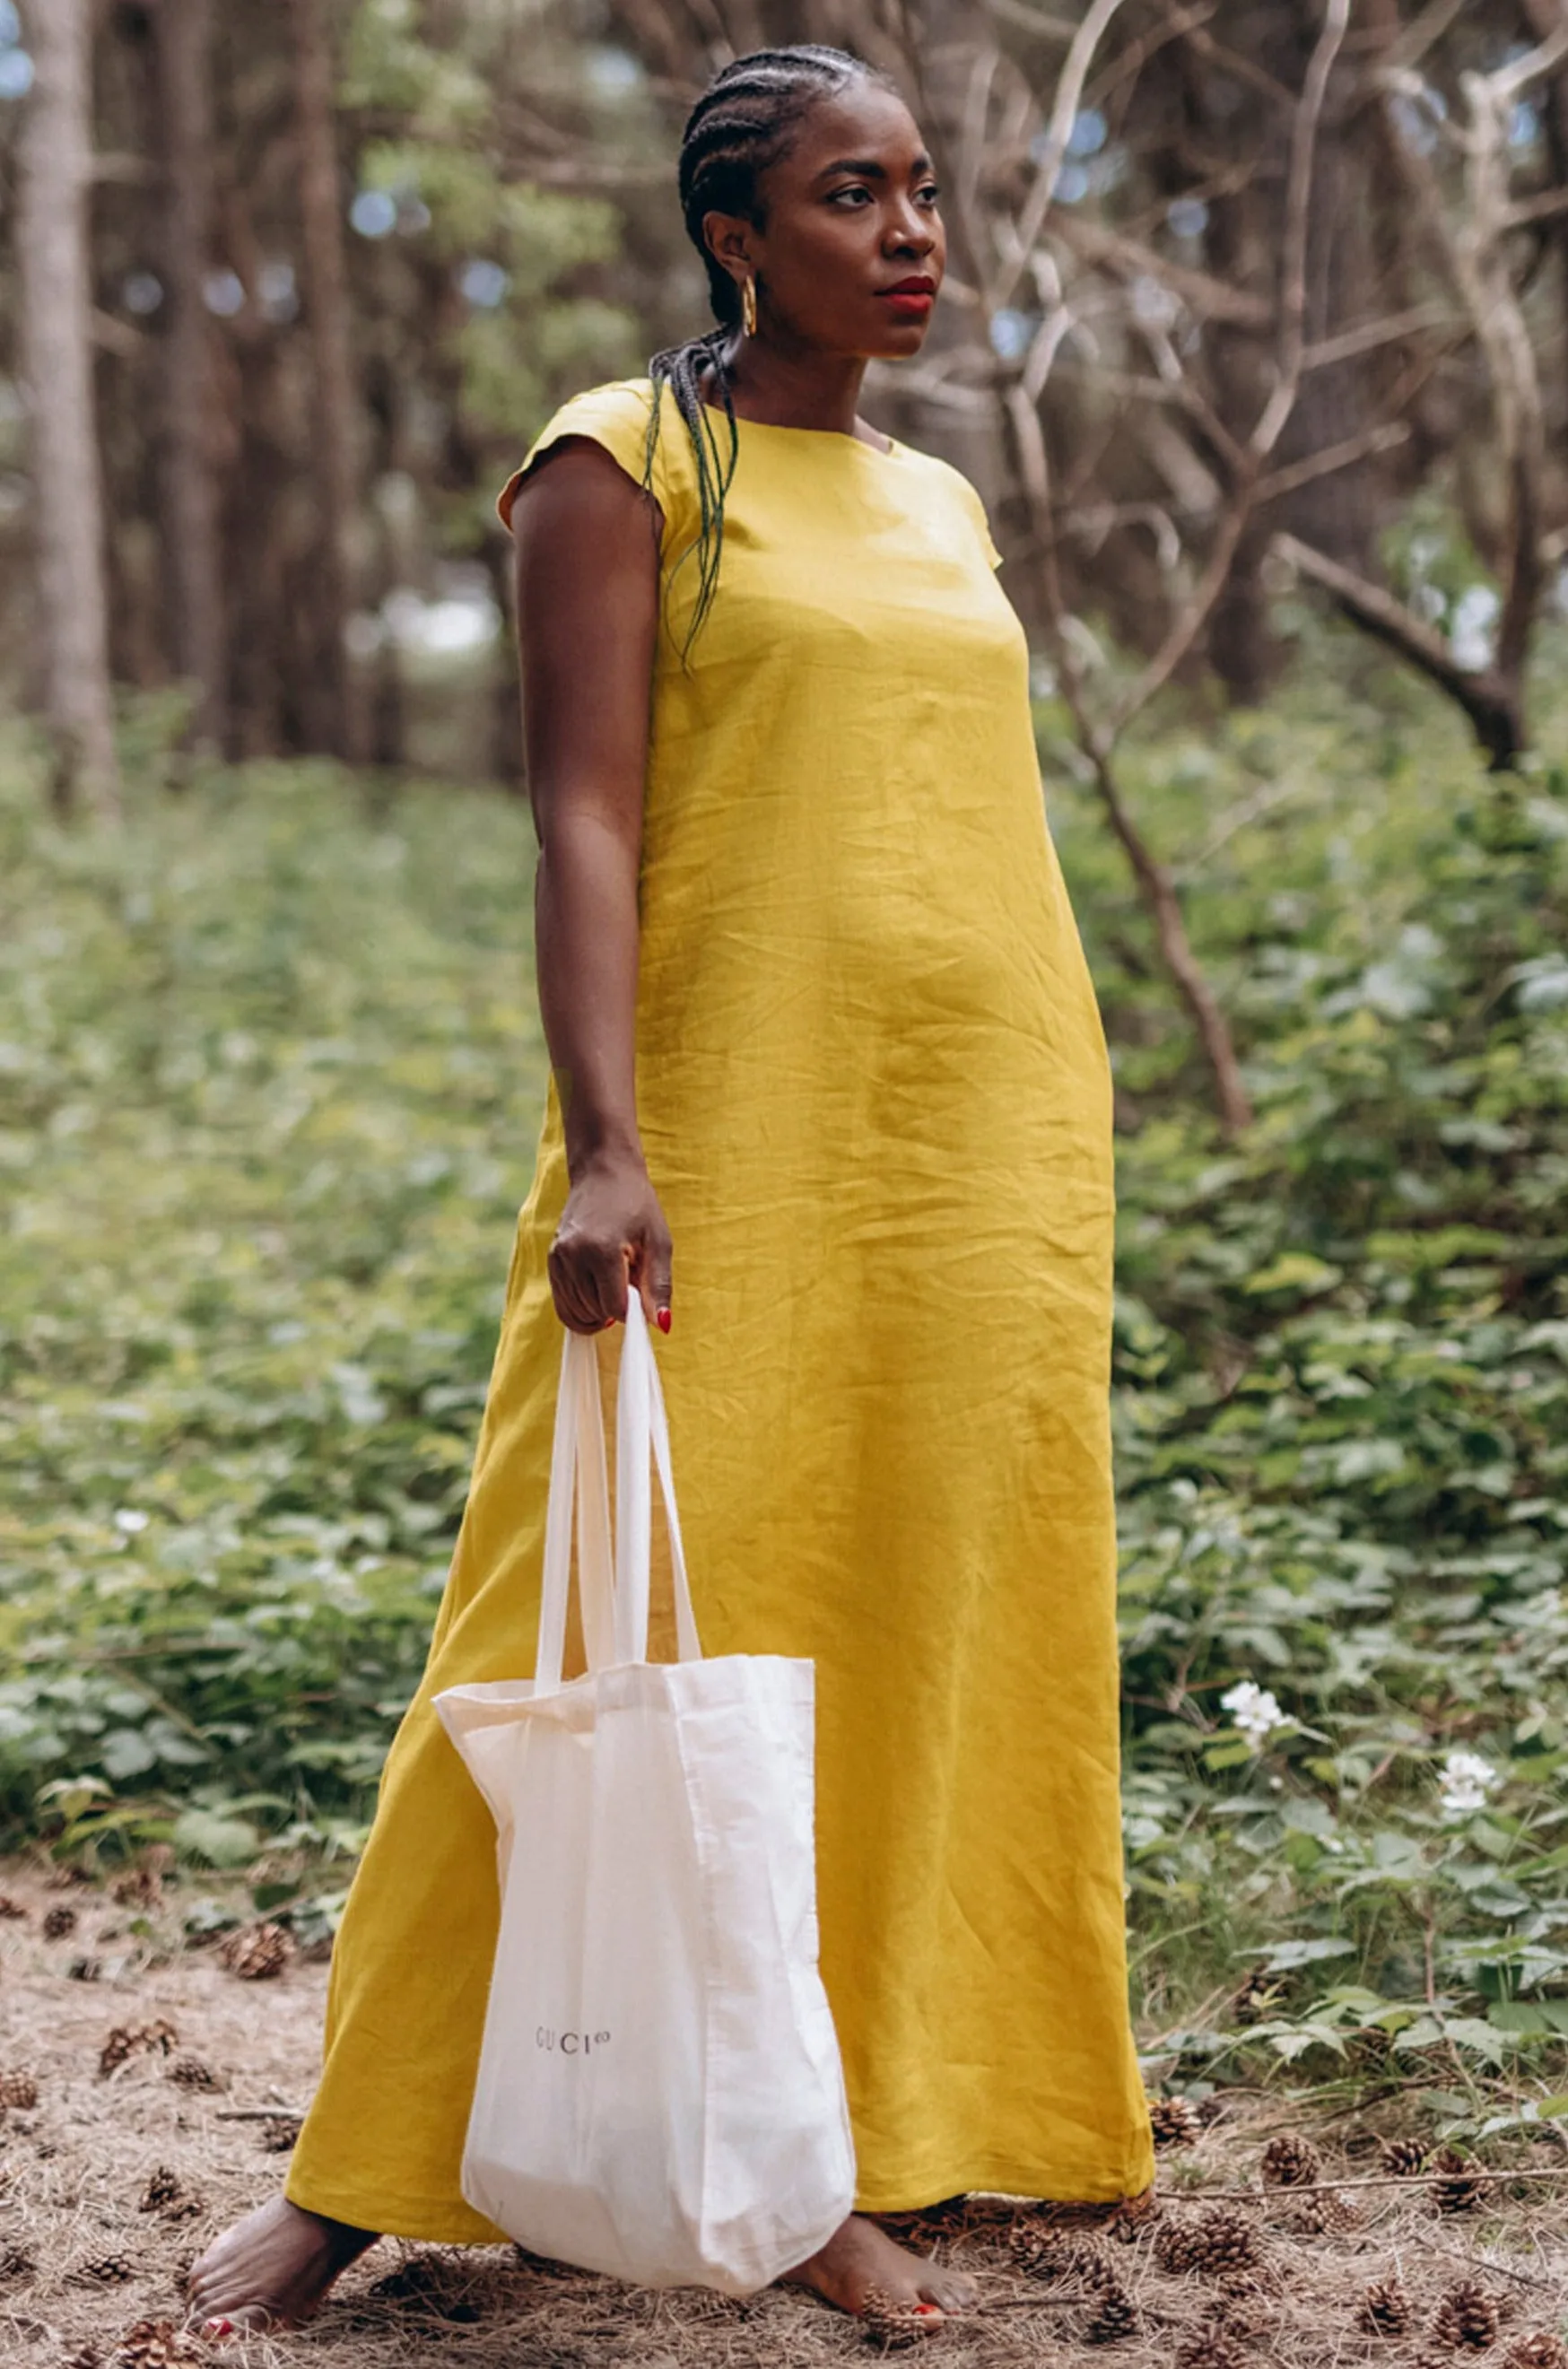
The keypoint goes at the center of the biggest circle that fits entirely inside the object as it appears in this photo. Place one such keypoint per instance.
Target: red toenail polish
(664, 1320)
(926, 2309)
(214, 2330)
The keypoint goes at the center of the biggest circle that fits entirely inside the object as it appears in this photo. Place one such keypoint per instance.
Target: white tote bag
(660, 2092)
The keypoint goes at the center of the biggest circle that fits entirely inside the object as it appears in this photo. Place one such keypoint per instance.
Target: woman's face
(850, 252)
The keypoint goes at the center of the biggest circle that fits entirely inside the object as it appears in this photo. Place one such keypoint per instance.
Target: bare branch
(1429, 26)
(1213, 298)
(1386, 438)
(1298, 191)
(1547, 206)
(1068, 94)
(1033, 20)
(1187, 624)
(1153, 879)
(1368, 335)
(1136, 56)
(1508, 81)
(1232, 62)
(113, 336)
(1490, 701)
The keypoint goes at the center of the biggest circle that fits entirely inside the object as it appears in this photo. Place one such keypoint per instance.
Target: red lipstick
(912, 299)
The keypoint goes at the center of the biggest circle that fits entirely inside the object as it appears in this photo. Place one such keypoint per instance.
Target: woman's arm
(588, 616)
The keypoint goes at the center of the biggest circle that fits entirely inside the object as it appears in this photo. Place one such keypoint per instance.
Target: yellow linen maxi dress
(873, 1091)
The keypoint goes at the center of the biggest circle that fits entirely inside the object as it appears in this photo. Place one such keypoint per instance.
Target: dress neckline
(892, 451)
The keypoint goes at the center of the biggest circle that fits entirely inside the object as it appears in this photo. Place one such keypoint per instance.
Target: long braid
(743, 122)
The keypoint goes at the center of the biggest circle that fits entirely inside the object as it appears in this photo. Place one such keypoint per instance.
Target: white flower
(129, 1521)
(1464, 1784)
(1255, 1711)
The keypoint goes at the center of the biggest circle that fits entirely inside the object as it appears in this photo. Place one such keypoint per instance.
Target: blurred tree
(353, 253)
(56, 302)
(183, 133)
(329, 324)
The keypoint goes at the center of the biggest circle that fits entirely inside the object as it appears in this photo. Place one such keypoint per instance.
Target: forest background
(1256, 344)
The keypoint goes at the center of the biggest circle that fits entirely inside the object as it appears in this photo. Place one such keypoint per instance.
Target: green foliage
(1343, 1366)
(269, 1075)
(552, 325)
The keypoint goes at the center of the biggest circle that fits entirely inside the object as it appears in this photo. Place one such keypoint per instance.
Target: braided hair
(744, 122)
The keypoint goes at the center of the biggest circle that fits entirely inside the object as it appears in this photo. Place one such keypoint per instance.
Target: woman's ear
(731, 241)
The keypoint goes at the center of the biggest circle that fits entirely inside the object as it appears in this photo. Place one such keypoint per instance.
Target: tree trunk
(192, 562)
(1541, 20)
(327, 311)
(57, 350)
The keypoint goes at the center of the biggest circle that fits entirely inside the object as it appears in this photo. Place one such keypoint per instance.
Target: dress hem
(441, 2222)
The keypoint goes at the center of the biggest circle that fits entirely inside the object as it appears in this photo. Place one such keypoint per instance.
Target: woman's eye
(853, 191)
(931, 195)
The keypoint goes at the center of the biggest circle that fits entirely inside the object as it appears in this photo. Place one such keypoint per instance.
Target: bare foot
(273, 2268)
(860, 2256)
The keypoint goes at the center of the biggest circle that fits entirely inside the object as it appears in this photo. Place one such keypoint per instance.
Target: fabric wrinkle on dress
(873, 1091)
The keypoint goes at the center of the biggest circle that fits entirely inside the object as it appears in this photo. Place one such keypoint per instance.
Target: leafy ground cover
(160, 2102)
(269, 1078)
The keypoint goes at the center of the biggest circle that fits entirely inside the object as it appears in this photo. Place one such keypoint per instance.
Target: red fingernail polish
(664, 1320)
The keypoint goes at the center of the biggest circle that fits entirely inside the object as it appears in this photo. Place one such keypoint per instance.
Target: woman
(817, 1009)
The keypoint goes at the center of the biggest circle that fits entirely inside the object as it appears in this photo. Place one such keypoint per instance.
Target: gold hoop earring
(749, 307)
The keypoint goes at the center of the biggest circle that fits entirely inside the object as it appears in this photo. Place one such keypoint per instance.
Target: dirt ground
(84, 2253)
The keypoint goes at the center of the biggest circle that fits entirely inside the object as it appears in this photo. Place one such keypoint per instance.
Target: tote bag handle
(640, 1424)
(614, 1598)
(577, 1467)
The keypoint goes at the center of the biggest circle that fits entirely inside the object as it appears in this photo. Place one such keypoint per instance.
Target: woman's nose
(911, 235)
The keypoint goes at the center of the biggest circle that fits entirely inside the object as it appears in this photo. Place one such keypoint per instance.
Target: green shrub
(270, 1082)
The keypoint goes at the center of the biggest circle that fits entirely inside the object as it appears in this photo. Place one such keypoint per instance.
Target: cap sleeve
(615, 416)
(977, 510)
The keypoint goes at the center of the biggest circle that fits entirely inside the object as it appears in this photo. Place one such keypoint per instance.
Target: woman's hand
(611, 1238)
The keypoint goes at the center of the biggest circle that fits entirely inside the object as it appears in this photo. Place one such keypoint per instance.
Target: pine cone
(144, 1886)
(156, 2344)
(1324, 2213)
(1210, 2348)
(1037, 2247)
(84, 1970)
(1137, 2213)
(257, 1952)
(58, 1921)
(10, 1908)
(1385, 2308)
(165, 2190)
(1403, 2157)
(128, 2040)
(431, 2284)
(193, 2072)
(1176, 2244)
(117, 2046)
(1290, 2161)
(890, 2323)
(1216, 2243)
(1114, 2316)
(18, 2090)
(1466, 2318)
(108, 2271)
(1458, 2190)
(1540, 2350)
(89, 2357)
(280, 2133)
(1175, 2121)
(15, 2263)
